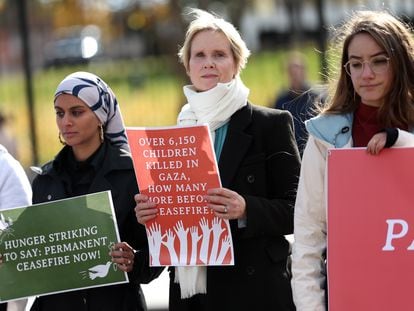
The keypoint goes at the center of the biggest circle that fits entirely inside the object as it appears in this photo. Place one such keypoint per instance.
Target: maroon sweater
(365, 125)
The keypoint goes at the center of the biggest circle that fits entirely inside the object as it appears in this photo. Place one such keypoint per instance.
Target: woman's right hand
(144, 210)
(377, 143)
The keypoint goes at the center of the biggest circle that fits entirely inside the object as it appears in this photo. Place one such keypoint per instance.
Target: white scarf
(214, 107)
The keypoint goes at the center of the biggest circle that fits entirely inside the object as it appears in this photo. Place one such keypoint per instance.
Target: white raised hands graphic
(154, 242)
(225, 245)
(99, 271)
(217, 231)
(182, 237)
(194, 241)
(170, 245)
(205, 241)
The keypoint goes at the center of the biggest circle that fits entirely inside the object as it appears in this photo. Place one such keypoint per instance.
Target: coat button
(49, 196)
(250, 179)
(250, 270)
(345, 129)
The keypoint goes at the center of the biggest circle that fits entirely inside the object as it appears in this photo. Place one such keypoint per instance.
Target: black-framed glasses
(378, 64)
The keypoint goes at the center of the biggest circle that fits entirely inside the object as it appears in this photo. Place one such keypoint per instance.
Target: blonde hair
(206, 21)
(396, 39)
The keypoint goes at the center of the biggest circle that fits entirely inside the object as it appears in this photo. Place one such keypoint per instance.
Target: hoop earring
(61, 140)
(101, 133)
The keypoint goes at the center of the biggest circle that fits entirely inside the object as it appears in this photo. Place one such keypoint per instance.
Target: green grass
(148, 91)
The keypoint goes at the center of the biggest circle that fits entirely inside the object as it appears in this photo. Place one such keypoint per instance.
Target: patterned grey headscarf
(95, 93)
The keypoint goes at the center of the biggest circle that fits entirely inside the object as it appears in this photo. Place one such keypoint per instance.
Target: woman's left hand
(377, 143)
(123, 255)
(226, 203)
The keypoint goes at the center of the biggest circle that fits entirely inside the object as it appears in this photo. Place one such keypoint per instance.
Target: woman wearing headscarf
(95, 158)
(259, 165)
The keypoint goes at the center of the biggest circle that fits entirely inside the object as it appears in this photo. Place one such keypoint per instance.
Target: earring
(61, 140)
(101, 133)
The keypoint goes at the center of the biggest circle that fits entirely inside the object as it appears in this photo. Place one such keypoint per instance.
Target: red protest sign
(370, 230)
(175, 166)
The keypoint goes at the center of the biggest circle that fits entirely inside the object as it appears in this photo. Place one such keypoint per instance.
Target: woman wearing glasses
(371, 105)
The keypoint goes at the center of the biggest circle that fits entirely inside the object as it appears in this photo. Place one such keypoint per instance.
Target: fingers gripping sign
(123, 255)
(226, 203)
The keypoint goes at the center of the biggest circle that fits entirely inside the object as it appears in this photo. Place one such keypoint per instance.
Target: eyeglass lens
(376, 64)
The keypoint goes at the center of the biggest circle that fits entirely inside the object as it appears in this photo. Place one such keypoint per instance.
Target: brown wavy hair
(396, 38)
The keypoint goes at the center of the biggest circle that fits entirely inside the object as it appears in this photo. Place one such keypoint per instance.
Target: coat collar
(114, 159)
(236, 139)
(335, 129)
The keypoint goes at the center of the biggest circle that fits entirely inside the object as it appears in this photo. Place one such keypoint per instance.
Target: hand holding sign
(123, 255)
(226, 203)
(145, 210)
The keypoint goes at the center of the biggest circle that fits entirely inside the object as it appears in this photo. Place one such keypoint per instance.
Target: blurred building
(267, 23)
(133, 28)
(73, 45)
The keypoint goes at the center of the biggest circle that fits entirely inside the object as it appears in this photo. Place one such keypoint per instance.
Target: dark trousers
(3, 306)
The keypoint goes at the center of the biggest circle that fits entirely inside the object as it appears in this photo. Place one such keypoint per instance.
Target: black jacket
(261, 162)
(116, 174)
(303, 106)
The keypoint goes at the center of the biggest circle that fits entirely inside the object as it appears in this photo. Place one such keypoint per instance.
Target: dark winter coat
(261, 162)
(302, 105)
(116, 174)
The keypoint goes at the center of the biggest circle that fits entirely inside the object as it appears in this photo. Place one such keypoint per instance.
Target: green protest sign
(58, 246)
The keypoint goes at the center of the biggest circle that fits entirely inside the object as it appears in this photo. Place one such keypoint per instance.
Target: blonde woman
(259, 165)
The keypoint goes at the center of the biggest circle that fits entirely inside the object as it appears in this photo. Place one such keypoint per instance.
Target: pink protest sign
(370, 230)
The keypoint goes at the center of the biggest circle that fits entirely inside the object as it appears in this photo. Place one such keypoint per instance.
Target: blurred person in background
(371, 106)
(95, 158)
(300, 99)
(259, 166)
(15, 191)
(6, 139)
